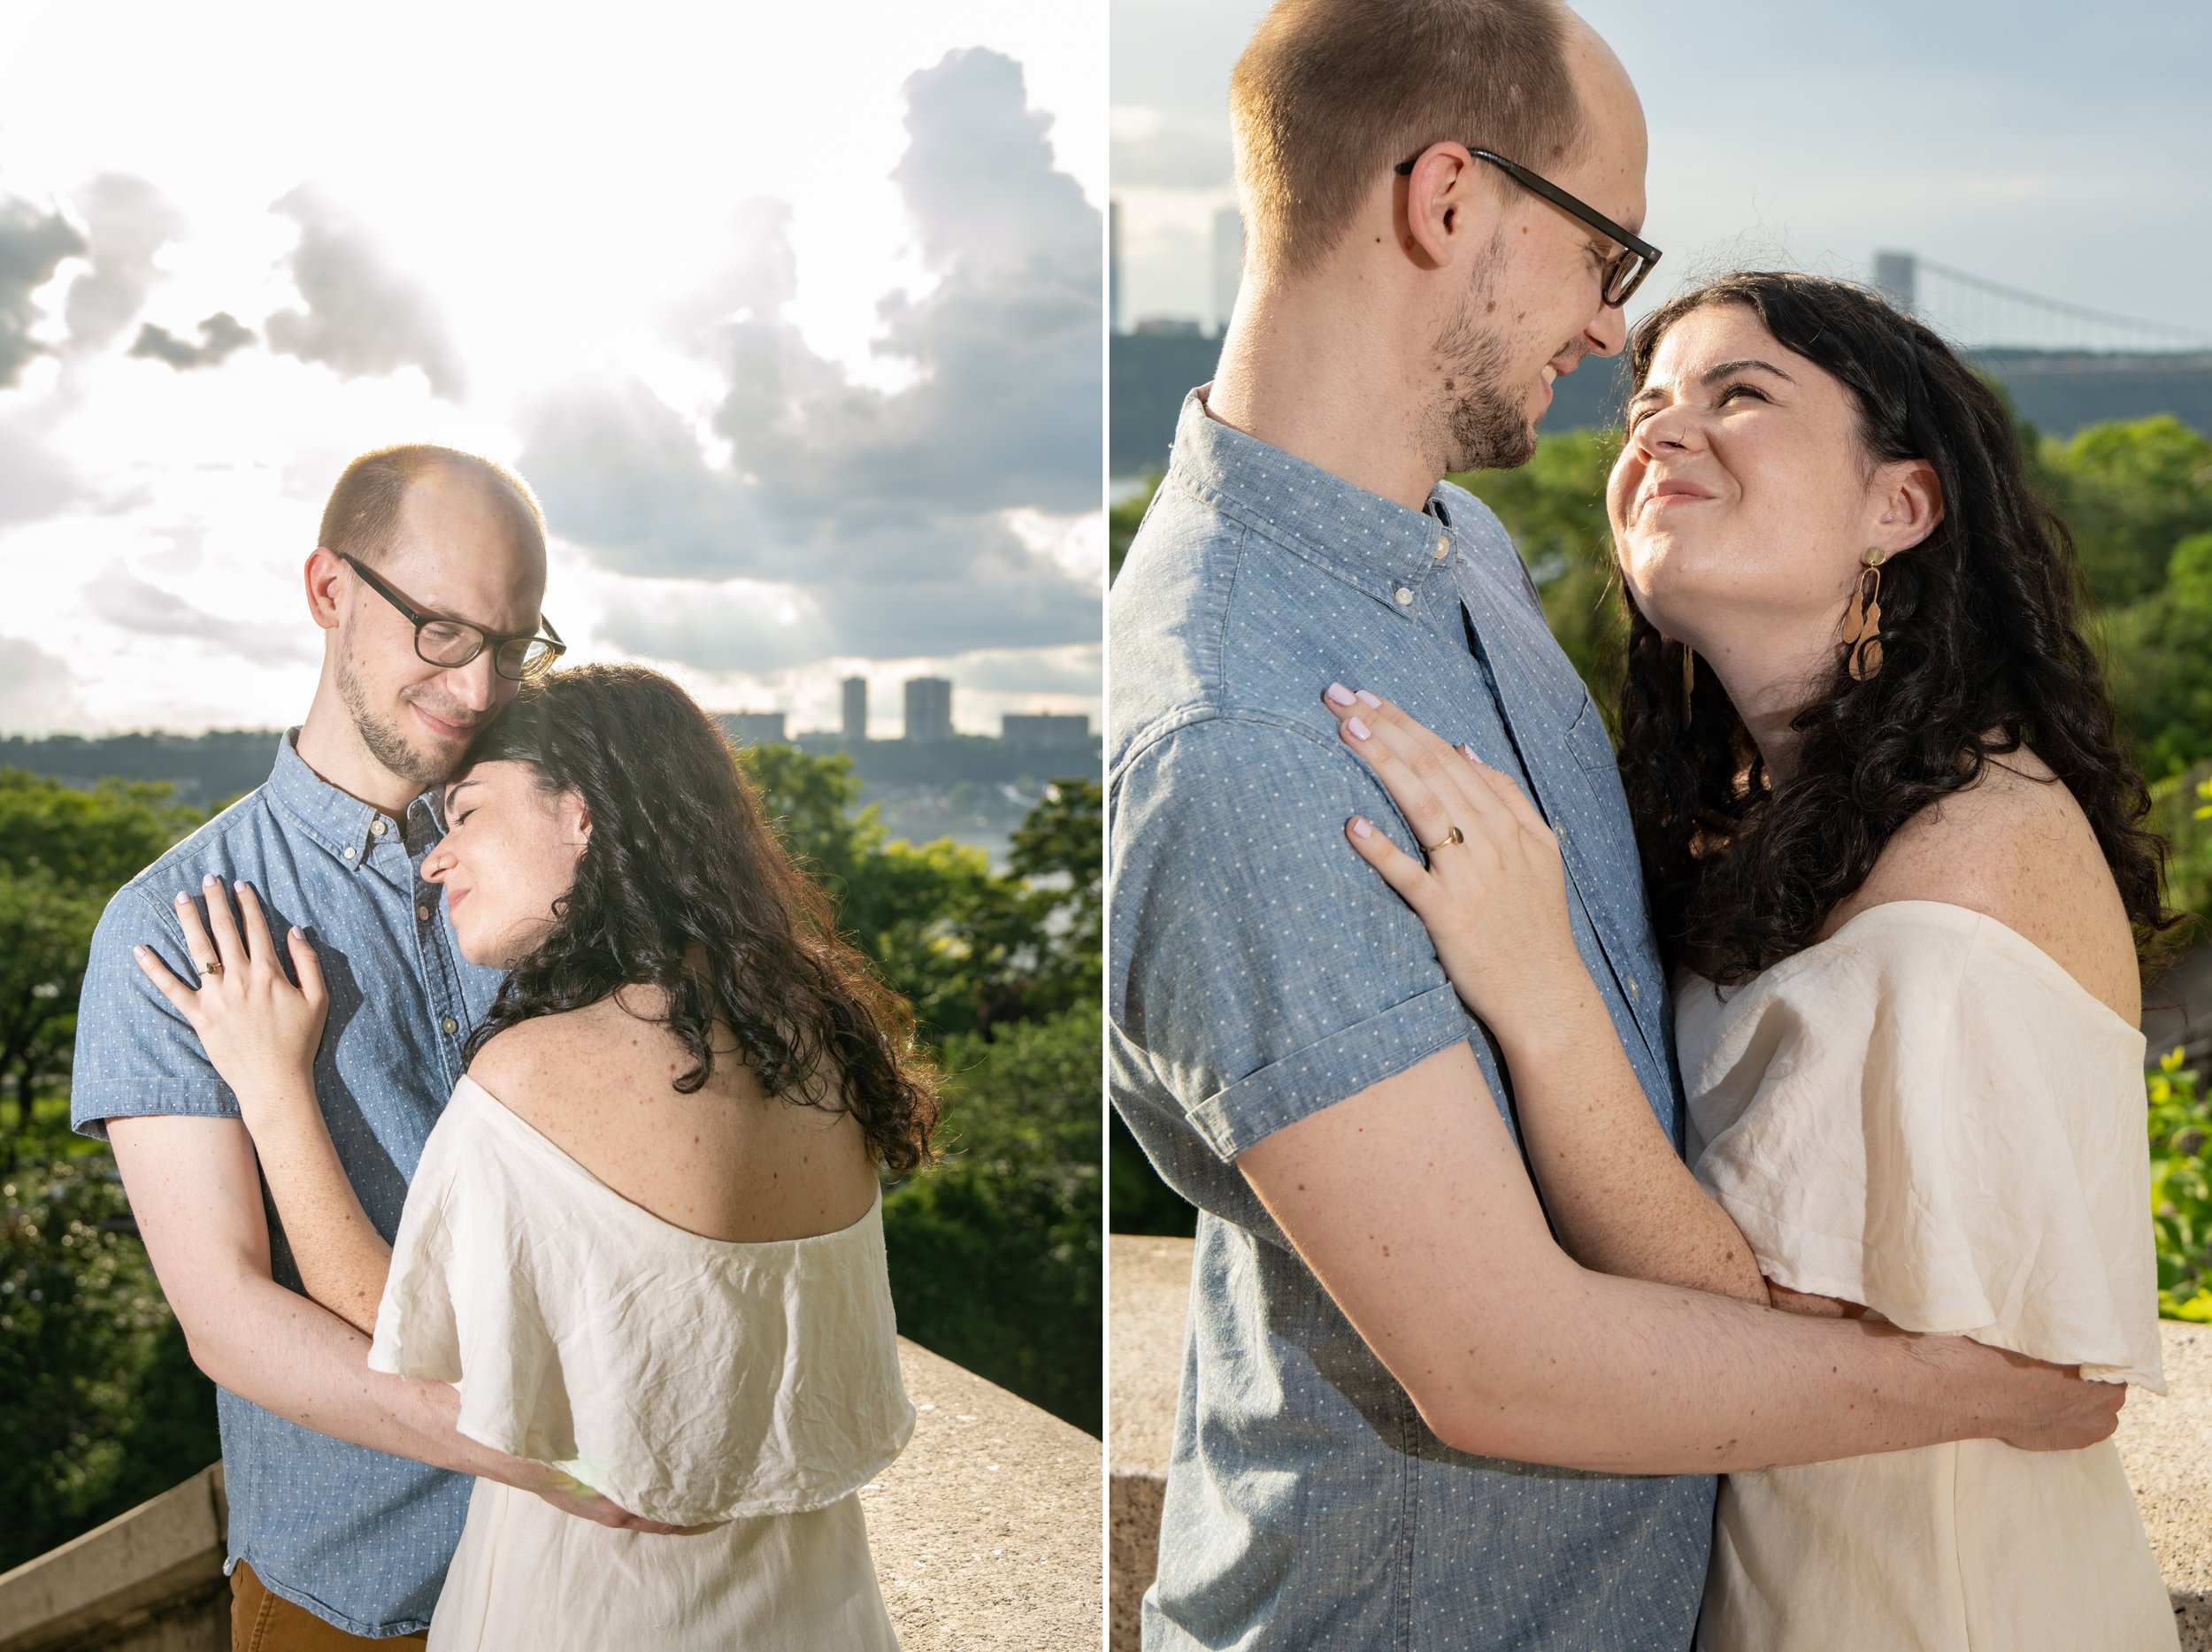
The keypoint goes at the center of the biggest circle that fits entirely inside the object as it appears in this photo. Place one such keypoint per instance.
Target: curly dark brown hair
(1982, 653)
(683, 887)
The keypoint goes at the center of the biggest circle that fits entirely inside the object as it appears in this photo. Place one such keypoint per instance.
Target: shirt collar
(339, 822)
(1374, 544)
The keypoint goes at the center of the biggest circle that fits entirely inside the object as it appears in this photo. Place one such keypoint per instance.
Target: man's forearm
(1617, 1193)
(275, 1347)
(1630, 1377)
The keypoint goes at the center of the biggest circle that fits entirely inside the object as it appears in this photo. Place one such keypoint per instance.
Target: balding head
(367, 507)
(1331, 95)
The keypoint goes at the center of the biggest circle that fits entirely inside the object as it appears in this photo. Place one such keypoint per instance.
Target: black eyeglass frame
(551, 647)
(1636, 255)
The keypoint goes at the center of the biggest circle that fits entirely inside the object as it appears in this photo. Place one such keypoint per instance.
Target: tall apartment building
(854, 725)
(928, 710)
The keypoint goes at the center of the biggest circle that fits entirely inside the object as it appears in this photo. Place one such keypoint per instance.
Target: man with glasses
(346, 1488)
(1443, 202)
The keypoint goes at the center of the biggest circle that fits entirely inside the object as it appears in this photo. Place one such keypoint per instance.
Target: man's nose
(1608, 331)
(474, 685)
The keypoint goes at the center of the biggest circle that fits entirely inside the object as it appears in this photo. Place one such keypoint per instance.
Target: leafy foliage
(102, 1407)
(994, 1254)
(2181, 1191)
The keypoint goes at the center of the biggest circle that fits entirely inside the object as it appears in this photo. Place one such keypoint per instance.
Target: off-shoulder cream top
(1924, 1113)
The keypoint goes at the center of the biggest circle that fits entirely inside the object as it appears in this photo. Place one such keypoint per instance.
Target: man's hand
(2080, 1413)
(571, 1495)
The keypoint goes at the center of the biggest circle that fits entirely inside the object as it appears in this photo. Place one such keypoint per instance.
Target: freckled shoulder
(2016, 847)
(547, 1068)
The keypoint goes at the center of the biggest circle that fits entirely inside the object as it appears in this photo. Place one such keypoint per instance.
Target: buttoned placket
(396, 857)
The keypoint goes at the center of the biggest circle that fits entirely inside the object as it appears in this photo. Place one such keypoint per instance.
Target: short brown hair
(1331, 93)
(364, 507)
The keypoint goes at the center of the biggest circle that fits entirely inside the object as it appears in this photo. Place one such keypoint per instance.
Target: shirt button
(450, 1025)
(376, 826)
(1405, 597)
(351, 851)
(422, 912)
(1632, 992)
(1443, 546)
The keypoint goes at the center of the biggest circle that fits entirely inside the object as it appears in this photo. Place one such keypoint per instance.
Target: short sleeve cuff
(88, 1114)
(1330, 1070)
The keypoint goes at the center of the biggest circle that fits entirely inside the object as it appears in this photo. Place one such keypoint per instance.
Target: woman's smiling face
(508, 857)
(1744, 495)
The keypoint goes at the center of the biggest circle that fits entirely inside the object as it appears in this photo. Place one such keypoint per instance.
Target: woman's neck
(1770, 677)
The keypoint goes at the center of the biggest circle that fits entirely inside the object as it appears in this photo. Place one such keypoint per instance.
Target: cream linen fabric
(1926, 1115)
(689, 1379)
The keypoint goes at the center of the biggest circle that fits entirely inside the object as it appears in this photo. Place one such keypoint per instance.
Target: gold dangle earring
(1689, 681)
(1862, 620)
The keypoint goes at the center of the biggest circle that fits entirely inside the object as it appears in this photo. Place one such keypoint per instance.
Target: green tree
(2130, 491)
(2159, 654)
(98, 838)
(995, 1253)
(45, 935)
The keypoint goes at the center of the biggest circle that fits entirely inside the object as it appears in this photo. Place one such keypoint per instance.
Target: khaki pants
(263, 1622)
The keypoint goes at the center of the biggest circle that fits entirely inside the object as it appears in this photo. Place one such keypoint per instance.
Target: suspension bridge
(1975, 313)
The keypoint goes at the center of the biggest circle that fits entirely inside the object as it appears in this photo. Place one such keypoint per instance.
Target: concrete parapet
(985, 1534)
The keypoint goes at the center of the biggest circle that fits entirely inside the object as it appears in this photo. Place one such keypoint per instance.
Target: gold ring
(213, 966)
(1451, 837)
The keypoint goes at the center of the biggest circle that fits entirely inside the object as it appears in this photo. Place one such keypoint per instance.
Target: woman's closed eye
(1743, 387)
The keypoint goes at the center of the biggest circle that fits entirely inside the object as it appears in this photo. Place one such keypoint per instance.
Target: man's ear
(1910, 496)
(1439, 197)
(325, 581)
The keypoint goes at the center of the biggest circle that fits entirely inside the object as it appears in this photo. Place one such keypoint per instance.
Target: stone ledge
(986, 1534)
(2165, 1441)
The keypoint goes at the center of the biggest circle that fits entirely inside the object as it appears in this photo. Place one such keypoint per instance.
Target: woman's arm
(261, 1032)
(1495, 905)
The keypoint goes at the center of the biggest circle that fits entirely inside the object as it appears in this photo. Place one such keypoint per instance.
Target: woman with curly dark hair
(645, 1238)
(1895, 854)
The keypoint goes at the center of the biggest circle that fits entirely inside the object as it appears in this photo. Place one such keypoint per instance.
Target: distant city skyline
(2052, 150)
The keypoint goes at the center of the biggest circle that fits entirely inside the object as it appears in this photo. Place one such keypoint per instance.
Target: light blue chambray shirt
(1261, 971)
(358, 1538)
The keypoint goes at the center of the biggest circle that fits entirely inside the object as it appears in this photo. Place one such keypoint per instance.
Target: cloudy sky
(2056, 147)
(790, 315)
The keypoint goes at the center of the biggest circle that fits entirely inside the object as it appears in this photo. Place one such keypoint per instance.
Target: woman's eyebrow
(1713, 375)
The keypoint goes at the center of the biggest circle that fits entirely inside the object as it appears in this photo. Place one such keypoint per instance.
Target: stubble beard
(385, 742)
(1478, 422)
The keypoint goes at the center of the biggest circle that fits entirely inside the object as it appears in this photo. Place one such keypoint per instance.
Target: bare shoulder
(2016, 847)
(547, 1068)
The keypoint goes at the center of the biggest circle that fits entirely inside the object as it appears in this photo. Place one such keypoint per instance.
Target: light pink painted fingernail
(138, 952)
(1358, 728)
(183, 899)
(1360, 828)
(1478, 762)
(296, 936)
(1340, 694)
(1369, 700)
(240, 886)
(210, 877)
